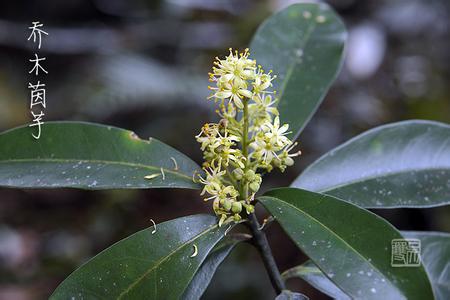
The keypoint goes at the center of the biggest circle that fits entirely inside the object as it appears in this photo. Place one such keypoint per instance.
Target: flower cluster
(247, 141)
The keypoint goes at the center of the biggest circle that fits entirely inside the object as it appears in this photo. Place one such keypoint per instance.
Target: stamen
(175, 162)
(228, 230)
(152, 176)
(154, 226)
(195, 251)
(163, 175)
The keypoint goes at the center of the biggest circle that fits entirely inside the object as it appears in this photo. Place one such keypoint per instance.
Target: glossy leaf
(312, 274)
(204, 275)
(146, 265)
(405, 164)
(89, 156)
(303, 44)
(349, 244)
(435, 255)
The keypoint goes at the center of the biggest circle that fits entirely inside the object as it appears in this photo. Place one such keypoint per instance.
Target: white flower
(208, 135)
(232, 93)
(262, 110)
(231, 75)
(285, 158)
(235, 66)
(220, 148)
(270, 143)
(264, 150)
(275, 133)
(213, 180)
(265, 103)
(262, 81)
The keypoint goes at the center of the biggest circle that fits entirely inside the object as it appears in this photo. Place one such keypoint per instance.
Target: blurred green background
(142, 65)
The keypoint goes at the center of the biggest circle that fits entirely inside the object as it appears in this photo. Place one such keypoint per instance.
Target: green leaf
(405, 164)
(146, 265)
(435, 256)
(204, 275)
(89, 156)
(349, 244)
(303, 44)
(311, 274)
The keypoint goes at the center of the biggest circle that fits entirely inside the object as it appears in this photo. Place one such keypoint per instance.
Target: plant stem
(261, 243)
(259, 237)
(245, 148)
(245, 131)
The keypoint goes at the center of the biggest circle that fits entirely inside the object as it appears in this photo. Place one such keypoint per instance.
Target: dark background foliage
(142, 65)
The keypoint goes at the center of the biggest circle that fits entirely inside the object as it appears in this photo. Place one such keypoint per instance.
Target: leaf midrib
(369, 134)
(339, 238)
(373, 177)
(163, 259)
(294, 63)
(96, 161)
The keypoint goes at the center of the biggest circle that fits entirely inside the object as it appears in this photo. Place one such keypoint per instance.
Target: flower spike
(248, 139)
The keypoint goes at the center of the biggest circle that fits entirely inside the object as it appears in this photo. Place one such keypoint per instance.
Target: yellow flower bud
(236, 207)
(249, 208)
(227, 204)
(238, 173)
(288, 161)
(250, 175)
(254, 186)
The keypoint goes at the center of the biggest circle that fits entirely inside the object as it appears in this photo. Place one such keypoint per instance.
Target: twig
(261, 243)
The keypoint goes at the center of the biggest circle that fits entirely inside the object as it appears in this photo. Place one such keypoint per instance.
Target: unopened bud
(254, 186)
(236, 207)
(250, 175)
(227, 204)
(288, 161)
(238, 173)
(249, 208)
(276, 162)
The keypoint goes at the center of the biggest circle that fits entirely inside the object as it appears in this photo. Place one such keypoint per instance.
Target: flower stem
(244, 183)
(259, 237)
(261, 243)
(245, 132)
